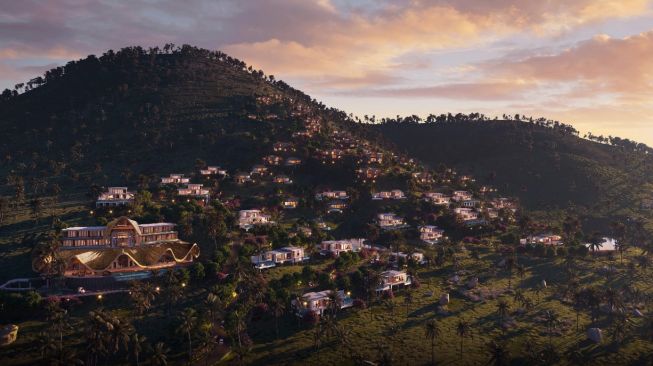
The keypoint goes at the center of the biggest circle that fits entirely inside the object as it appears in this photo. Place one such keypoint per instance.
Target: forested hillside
(547, 168)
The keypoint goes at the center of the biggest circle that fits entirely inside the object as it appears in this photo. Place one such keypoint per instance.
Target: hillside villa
(213, 170)
(437, 198)
(194, 190)
(175, 179)
(318, 302)
(466, 213)
(273, 160)
(115, 196)
(241, 177)
(285, 255)
(459, 196)
(282, 179)
(283, 147)
(390, 221)
(430, 234)
(336, 206)
(249, 218)
(471, 203)
(416, 256)
(122, 246)
(290, 203)
(545, 239)
(293, 161)
(335, 247)
(395, 194)
(392, 279)
(340, 195)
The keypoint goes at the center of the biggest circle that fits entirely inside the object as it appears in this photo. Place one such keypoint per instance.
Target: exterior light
(157, 289)
(304, 303)
(99, 297)
(110, 211)
(183, 284)
(234, 294)
(91, 212)
(348, 293)
(173, 200)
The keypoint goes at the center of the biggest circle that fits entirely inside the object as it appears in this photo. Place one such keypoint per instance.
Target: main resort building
(123, 246)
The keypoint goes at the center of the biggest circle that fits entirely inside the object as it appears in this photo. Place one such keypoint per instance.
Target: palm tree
(432, 332)
(277, 307)
(463, 329)
(502, 309)
(186, 327)
(159, 355)
(551, 320)
(519, 297)
(521, 271)
(408, 300)
(499, 354)
(137, 343)
(510, 265)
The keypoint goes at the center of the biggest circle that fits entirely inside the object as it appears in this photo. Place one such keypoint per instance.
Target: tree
(463, 329)
(277, 307)
(551, 320)
(136, 344)
(432, 332)
(499, 355)
(502, 309)
(186, 327)
(159, 355)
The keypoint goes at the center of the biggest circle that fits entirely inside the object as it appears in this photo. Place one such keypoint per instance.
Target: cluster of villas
(390, 221)
(247, 219)
(123, 245)
(189, 190)
(337, 200)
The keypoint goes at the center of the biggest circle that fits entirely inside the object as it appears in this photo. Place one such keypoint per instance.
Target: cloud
(485, 90)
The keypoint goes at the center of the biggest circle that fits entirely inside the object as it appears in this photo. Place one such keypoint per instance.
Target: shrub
(360, 304)
(198, 271)
(212, 269)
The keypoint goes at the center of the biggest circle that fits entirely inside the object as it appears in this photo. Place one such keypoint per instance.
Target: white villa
(282, 179)
(275, 257)
(259, 169)
(241, 178)
(336, 247)
(175, 179)
(461, 196)
(194, 190)
(290, 203)
(466, 213)
(391, 279)
(430, 234)
(213, 170)
(336, 206)
(389, 221)
(292, 161)
(545, 239)
(470, 203)
(340, 195)
(318, 302)
(273, 160)
(395, 194)
(115, 196)
(437, 198)
(417, 257)
(249, 218)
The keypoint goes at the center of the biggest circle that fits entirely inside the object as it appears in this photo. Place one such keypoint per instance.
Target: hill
(547, 168)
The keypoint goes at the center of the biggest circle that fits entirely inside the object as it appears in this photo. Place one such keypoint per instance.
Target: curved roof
(143, 256)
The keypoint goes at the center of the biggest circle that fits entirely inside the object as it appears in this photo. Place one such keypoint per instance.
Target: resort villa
(213, 170)
(335, 247)
(115, 196)
(122, 246)
(292, 161)
(437, 198)
(290, 203)
(273, 160)
(466, 213)
(249, 218)
(430, 234)
(395, 194)
(241, 177)
(392, 279)
(175, 179)
(545, 239)
(390, 221)
(318, 302)
(282, 179)
(194, 190)
(336, 206)
(279, 256)
(459, 196)
(340, 195)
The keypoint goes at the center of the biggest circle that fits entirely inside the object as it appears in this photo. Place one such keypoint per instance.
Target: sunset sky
(585, 62)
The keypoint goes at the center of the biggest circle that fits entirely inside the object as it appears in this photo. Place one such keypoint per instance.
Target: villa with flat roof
(115, 196)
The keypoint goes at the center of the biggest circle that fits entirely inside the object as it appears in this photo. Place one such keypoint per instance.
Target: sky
(584, 62)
